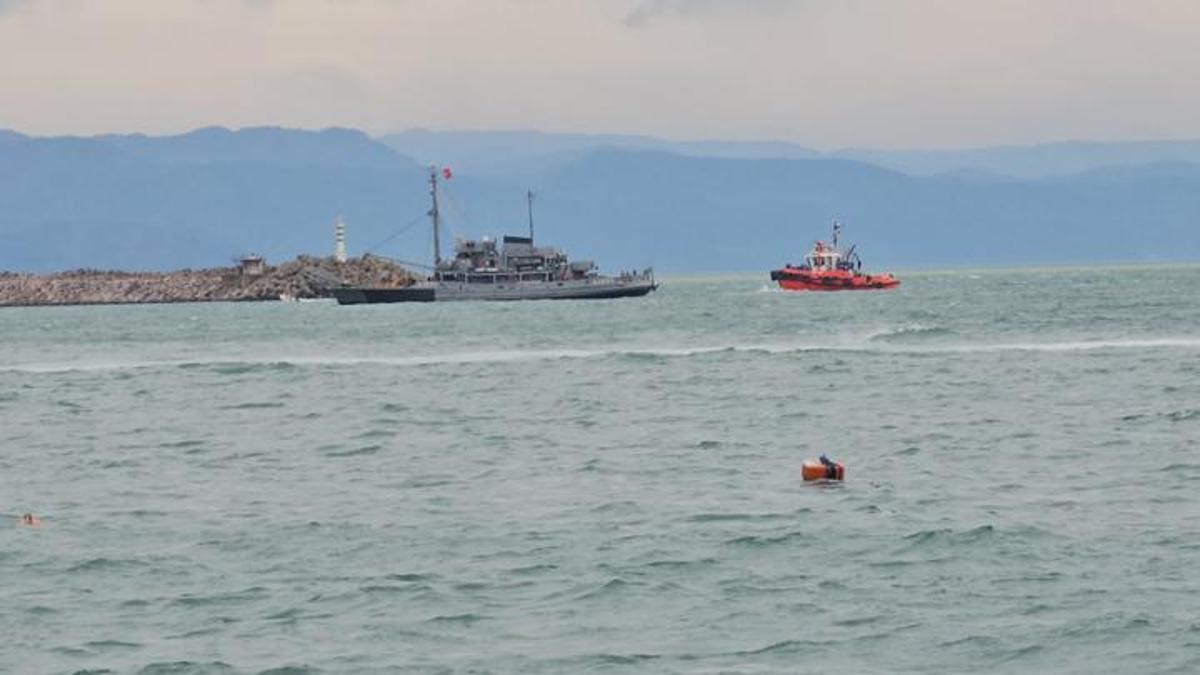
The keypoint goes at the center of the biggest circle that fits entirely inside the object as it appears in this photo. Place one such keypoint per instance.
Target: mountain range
(197, 199)
(500, 152)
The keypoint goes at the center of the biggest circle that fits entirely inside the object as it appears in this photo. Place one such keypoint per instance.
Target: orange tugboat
(827, 268)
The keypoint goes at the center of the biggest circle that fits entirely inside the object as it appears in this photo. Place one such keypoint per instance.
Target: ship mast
(529, 195)
(433, 216)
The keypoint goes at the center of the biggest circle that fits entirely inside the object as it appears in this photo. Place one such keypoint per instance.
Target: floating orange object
(822, 468)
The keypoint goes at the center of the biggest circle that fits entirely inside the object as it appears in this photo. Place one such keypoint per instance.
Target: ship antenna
(433, 215)
(837, 228)
(529, 195)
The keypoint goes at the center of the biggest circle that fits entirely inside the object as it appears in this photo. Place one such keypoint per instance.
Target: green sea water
(612, 487)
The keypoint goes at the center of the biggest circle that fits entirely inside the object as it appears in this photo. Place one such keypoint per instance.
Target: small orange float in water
(822, 468)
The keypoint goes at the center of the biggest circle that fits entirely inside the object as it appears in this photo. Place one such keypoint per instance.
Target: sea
(612, 486)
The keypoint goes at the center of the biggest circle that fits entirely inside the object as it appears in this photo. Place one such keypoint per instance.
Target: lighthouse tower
(339, 240)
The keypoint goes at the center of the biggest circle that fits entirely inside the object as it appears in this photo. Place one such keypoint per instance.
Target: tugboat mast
(433, 215)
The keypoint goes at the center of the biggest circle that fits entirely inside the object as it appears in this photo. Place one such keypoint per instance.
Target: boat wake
(872, 344)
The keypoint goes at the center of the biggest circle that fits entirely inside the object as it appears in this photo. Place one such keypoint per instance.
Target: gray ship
(515, 270)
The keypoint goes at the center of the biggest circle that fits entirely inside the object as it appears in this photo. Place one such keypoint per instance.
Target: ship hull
(495, 292)
(791, 279)
(370, 296)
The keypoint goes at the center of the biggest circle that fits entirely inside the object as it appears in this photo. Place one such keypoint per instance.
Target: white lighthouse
(339, 240)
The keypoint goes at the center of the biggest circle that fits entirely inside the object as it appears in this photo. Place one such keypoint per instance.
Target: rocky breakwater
(304, 277)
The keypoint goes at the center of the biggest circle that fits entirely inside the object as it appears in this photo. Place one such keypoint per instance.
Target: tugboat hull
(794, 279)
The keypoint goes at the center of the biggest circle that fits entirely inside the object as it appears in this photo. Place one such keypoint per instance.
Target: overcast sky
(824, 73)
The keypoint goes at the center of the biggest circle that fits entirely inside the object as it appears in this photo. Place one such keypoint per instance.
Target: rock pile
(304, 277)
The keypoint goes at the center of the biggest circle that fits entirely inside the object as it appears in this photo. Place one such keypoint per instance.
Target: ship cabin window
(822, 262)
(481, 279)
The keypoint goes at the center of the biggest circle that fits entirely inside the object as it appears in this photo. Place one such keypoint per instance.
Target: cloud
(650, 11)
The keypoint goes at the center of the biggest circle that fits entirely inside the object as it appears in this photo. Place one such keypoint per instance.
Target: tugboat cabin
(825, 258)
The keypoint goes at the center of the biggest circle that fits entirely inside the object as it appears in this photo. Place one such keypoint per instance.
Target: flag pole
(529, 195)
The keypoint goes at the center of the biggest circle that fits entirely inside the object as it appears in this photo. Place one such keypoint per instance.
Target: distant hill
(194, 200)
(7, 136)
(523, 153)
(137, 202)
(261, 145)
(1032, 161)
(688, 213)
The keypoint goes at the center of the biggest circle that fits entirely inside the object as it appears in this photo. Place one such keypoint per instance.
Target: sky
(824, 73)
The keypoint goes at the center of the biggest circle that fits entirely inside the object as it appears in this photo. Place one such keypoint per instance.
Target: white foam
(1080, 345)
(510, 356)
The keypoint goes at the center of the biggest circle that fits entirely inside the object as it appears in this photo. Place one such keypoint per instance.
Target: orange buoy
(822, 468)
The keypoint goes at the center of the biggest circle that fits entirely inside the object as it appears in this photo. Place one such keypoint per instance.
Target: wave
(1183, 415)
(218, 599)
(892, 342)
(253, 405)
(106, 564)
(763, 540)
(680, 564)
(785, 646)
(946, 539)
(410, 576)
(1174, 416)
(597, 662)
(1086, 345)
(240, 367)
(910, 334)
(623, 659)
(356, 452)
(111, 644)
(187, 668)
(720, 517)
(611, 587)
(947, 534)
(244, 365)
(465, 619)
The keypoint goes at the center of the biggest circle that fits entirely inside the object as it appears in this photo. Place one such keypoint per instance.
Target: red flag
(447, 173)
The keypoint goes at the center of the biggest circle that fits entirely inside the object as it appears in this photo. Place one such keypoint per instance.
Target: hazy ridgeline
(194, 200)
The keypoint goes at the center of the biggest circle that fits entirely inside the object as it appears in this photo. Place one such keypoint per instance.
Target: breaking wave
(911, 334)
(902, 341)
